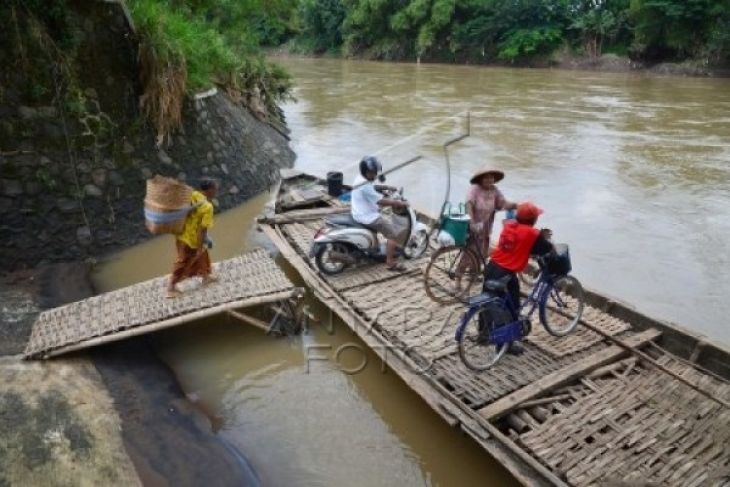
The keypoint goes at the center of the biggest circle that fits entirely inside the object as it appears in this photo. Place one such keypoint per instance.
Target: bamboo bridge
(244, 281)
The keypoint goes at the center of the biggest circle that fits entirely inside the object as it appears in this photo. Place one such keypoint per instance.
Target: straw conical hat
(498, 175)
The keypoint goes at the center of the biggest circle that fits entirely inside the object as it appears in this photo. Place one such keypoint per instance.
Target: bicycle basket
(558, 262)
(456, 223)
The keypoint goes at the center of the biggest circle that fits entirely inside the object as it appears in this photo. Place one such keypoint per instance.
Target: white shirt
(364, 202)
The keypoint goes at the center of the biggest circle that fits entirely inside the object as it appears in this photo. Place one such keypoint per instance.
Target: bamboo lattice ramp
(518, 409)
(249, 279)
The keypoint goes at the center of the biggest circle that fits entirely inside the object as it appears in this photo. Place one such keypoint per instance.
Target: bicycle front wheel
(562, 309)
(450, 274)
(474, 348)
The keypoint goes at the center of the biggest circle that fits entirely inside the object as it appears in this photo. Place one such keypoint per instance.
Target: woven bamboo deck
(580, 410)
(250, 279)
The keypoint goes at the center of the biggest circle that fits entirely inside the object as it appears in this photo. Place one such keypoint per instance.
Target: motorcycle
(343, 241)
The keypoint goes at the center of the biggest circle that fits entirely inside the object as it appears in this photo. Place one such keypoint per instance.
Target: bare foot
(173, 293)
(209, 280)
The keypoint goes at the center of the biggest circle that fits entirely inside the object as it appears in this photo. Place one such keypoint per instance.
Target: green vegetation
(517, 30)
(189, 46)
(185, 46)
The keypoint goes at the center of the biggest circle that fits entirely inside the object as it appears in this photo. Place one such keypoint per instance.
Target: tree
(424, 20)
(677, 28)
(322, 23)
(595, 24)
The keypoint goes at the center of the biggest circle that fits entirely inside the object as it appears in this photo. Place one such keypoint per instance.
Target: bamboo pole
(249, 319)
(544, 400)
(170, 322)
(645, 357)
(691, 363)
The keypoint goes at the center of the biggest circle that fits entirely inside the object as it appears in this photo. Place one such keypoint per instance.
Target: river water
(633, 172)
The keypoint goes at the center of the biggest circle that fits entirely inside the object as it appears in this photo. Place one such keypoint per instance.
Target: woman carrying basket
(192, 254)
(483, 200)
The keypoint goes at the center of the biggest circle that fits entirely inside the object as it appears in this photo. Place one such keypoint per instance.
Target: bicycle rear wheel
(450, 274)
(562, 309)
(473, 342)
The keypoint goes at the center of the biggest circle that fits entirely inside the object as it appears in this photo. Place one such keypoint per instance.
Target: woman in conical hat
(483, 200)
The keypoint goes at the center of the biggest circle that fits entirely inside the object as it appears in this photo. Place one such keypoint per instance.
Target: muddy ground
(59, 426)
(113, 416)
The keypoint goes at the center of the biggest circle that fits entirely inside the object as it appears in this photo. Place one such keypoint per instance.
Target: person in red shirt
(517, 242)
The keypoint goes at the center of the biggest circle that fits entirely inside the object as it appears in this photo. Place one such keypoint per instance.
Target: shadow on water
(168, 438)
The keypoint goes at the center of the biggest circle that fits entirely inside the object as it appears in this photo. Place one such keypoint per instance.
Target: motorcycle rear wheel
(325, 263)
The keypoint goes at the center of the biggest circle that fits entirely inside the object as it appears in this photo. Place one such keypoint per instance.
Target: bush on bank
(192, 46)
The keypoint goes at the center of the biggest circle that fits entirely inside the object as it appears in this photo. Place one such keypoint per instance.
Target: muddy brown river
(633, 172)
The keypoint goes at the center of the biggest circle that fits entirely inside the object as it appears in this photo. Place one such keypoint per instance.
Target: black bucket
(334, 183)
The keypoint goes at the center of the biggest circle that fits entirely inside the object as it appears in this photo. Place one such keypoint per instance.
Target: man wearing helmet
(367, 199)
(517, 242)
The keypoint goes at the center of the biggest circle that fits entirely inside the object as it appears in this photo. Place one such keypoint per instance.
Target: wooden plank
(302, 215)
(564, 375)
(527, 470)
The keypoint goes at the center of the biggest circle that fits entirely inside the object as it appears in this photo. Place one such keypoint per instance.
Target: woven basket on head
(166, 195)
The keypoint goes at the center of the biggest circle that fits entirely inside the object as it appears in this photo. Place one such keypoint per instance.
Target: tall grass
(182, 51)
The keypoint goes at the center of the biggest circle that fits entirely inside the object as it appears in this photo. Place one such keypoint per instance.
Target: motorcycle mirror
(381, 178)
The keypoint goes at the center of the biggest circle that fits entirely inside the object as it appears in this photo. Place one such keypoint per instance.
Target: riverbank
(563, 60)
(124, 419)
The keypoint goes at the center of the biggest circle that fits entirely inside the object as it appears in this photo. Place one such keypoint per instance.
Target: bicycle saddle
(497, 285)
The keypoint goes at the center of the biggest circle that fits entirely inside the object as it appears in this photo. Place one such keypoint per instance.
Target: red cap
(528, 211)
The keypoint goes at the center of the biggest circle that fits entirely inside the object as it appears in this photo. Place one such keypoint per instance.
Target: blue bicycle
(492, 321)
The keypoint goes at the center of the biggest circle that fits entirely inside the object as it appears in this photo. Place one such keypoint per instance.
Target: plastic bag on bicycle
(558, 263)
(491, 317)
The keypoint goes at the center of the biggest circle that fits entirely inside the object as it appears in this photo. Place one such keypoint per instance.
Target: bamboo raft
(625, 400)
(248, 280)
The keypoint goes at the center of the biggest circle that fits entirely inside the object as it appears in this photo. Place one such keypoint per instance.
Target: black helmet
(370, 164)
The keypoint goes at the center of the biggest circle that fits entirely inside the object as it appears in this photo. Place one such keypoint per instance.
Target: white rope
(423, 130)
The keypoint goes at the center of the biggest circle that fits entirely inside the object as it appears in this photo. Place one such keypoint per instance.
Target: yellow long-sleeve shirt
(199, 218)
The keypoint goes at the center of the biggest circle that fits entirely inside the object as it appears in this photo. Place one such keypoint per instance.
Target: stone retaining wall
(72, 184)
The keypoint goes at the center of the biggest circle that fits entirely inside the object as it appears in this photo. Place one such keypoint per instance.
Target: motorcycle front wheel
(326, 261)
(416, 246)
